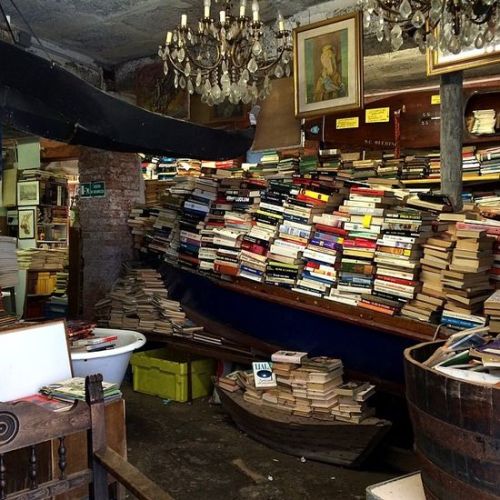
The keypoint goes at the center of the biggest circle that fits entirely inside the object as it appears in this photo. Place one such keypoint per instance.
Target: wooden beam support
(452, 125)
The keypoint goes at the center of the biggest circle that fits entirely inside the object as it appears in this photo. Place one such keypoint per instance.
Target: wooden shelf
(394, 325)
(472, 178)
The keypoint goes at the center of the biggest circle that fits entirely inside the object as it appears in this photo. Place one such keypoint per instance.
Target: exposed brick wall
(106, 239)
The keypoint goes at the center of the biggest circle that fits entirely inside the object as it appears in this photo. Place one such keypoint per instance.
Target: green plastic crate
(159, 372)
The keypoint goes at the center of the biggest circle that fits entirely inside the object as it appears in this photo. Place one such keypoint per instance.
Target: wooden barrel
(457, 430)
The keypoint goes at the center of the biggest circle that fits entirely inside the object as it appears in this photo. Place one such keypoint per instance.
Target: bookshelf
(393, 325)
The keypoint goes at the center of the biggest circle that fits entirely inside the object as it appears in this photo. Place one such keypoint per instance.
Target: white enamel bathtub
(112, 363)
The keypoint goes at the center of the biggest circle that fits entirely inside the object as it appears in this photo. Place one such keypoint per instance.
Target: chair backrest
(25, 426)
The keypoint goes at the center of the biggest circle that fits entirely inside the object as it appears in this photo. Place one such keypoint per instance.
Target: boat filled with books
(302, 406)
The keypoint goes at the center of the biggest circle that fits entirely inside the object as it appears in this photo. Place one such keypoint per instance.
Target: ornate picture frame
(439, 62)
(328, 66)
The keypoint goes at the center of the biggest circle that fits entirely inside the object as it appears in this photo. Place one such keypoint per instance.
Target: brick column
(106, 238)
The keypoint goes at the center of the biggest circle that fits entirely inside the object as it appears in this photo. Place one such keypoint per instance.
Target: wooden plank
(57, 151)
(452, 117)
(134, 480)
(395, 325)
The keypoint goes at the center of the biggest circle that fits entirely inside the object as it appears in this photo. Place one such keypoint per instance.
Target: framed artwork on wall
(439, 61)
(26, 223)
(328, 66)
(28, 193)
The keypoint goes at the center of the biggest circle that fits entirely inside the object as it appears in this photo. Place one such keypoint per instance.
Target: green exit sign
(98, 189)
(94, 189)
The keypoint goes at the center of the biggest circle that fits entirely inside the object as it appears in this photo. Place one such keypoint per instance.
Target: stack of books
(436, 258)
(6, 319)
(330, 162)
(465, 284)
(154, 190)
(141, 221)
(483, 121)
(470, 163)
(492, 309)
(194, 211)
(166, 168)
(308, 164)
(8, 262)
(54, 259)
(358, 170)
(414, 167)
(188, 167)
(434, 165)
(398, 259)
(366, 207)
(321, 256)
(352, 402)
(389, 168)
(227, 243)
(74, 389)
(302, 386)
(490, 160)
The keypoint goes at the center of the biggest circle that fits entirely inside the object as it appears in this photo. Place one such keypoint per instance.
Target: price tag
(377, 115)
(351, 122)
(367, 221)
(435, 99)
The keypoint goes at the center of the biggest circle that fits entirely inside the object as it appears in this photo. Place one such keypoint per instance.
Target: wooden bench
(26, 425)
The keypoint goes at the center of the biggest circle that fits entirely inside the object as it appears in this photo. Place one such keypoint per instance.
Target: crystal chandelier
(450, 25)
(225, 58)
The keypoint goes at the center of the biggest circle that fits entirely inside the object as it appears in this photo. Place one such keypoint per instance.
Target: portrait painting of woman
(328, 66)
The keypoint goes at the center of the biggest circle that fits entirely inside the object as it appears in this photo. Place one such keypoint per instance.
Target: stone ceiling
(113, 31)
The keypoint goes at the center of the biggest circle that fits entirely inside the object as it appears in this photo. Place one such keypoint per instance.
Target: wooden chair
(25, 425)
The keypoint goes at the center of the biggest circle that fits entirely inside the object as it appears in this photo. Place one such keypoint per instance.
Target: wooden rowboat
(333, 442)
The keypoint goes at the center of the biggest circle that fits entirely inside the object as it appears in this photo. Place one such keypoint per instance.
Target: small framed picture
(328, 66)
(28, 193)
(26, 223)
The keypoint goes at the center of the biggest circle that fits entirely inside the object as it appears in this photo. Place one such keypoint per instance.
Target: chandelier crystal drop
(451, 25)
(225, 59)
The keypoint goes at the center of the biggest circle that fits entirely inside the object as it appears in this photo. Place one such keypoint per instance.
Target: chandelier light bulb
(243, 8)
(206, 9)
(184, 20)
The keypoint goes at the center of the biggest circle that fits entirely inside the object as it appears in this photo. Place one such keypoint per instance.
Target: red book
(360, 243)
(331, 229)
(253, 247)
(313, 201)
(399, 281)
(367, 191)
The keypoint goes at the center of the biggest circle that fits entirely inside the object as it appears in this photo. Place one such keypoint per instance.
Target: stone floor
(191, 449)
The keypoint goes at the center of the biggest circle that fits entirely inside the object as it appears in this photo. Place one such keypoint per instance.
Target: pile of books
(166, 168)
(306, 387)
(141, 221)
(358, 170)
(8, 262)
(492, 309)
(470, 163)
(6, 319)
(54, 259)
(434, 165)
(390, 167)
(490, 160)
(483, 121)
(366, 208)
(398, 259)
(414, 167)
(74, 389)
(466, 284)
(353, 399)
(472, 355)
(330, 162)
(154, 190)
(321, 256)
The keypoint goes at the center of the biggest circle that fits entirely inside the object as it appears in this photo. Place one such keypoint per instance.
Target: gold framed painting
(439, 62)
(328, 66)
